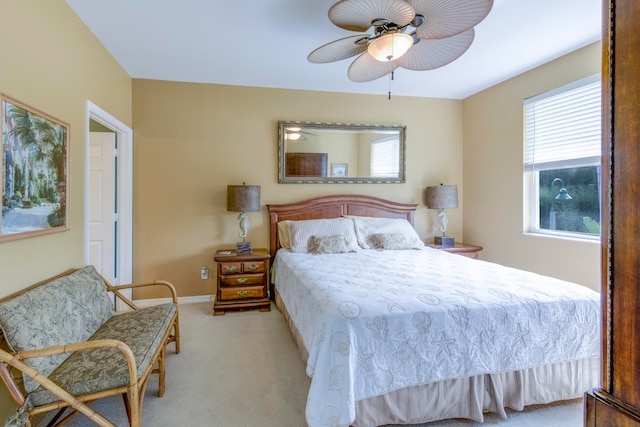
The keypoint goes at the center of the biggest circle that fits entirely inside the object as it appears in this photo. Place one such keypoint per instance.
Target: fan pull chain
(390, 78)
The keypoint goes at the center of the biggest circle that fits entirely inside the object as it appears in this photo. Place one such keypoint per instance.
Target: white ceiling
(265, 43)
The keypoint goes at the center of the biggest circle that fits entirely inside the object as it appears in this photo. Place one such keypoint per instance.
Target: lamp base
(244, 248)
(444, 241)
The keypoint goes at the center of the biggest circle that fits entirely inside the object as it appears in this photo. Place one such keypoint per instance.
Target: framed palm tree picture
(35, 169)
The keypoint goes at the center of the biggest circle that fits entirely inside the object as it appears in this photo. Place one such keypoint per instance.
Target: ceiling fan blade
(366, 68)
(338, 49)
(357, 15)
(430, 54)
(297, 129)
(446, 18)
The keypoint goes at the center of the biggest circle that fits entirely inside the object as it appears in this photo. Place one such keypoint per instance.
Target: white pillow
(283, 234)
(366, 228)
(301, 232)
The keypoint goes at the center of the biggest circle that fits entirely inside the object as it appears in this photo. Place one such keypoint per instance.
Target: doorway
(108, 196)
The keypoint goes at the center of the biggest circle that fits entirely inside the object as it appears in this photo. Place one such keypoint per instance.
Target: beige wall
(52, 62)
(493, 175)
(192, 140)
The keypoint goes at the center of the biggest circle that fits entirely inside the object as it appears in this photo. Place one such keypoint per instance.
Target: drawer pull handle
(242, 280)
(230, 268)
(242, 293)
(253, 267)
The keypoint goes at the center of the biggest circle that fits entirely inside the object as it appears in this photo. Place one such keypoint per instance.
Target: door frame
(124, 190)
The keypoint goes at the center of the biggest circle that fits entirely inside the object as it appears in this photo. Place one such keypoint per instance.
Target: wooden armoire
(617, 402)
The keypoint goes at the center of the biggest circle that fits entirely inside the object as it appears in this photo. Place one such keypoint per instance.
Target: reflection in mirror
(315, 152)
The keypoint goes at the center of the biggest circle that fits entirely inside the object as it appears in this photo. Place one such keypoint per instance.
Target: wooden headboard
(334, 207)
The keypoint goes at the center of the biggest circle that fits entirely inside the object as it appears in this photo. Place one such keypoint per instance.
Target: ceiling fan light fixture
(390, 46)
(295, 137)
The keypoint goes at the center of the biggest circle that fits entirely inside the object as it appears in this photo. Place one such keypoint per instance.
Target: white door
(102, 205)
(109, 192)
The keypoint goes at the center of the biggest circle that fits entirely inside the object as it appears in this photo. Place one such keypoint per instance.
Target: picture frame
(35, 172)
(339, 169)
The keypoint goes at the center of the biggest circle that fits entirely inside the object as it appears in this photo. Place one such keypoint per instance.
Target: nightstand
(242, 282)
(470, 251)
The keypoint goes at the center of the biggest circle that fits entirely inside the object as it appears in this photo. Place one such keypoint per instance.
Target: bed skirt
(470, 397)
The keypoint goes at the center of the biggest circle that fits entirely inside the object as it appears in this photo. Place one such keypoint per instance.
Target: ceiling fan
(295, 133)
(414, 34)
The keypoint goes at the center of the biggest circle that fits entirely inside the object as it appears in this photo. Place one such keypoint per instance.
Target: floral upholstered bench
(68, 347)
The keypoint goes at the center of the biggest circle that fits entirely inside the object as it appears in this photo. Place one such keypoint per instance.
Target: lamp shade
(243, 198)
(442, 197)
(390, 46)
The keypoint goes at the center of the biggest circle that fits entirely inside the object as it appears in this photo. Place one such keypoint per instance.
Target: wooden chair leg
(161, 371)
(59, 414)
(143, 391)
(134, 397)
(175, 336)
(127, 407)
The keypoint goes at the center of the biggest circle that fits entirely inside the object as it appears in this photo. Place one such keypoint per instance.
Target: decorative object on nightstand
(442, 197)
(243, 198)
(470, 251)
(242, 282)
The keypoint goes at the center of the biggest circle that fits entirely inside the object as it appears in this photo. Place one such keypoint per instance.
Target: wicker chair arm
(116, 289)
(15, 360)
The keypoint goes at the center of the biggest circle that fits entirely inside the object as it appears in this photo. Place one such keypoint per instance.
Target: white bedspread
(376, 321)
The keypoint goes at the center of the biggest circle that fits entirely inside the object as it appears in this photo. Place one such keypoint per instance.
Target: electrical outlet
(204, 273)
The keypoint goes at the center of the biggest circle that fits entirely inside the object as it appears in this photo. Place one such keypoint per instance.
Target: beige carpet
(243, 369)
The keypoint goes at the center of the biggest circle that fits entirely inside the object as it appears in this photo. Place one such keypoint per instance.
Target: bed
(400, 333)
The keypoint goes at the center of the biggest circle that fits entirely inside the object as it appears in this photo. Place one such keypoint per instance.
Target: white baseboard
(181, 300)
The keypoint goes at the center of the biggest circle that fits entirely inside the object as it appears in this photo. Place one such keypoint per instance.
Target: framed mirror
(326, 153)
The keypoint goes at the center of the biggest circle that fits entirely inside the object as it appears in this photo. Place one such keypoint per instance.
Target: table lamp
(442, 197)
(243, 198)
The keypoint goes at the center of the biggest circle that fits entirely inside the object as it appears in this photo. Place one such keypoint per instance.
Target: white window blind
(563, 126)
(385, 158)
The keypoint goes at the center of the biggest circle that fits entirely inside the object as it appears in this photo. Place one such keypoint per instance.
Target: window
(385, 157)
(562, 160)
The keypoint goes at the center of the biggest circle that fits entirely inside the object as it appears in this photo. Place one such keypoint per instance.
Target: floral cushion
(65, 310)
(105, 368)
(329, 245)
(391, 241)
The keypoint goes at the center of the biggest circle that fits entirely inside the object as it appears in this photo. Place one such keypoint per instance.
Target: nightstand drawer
(242, 267)
(253, 279)
(242, 292)
(231, 268)
(253, 267)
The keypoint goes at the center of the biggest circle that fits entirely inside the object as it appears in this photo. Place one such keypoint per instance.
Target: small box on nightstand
(244, 248)
(444, 241)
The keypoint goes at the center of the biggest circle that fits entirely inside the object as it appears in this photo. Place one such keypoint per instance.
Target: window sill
(563, 236)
